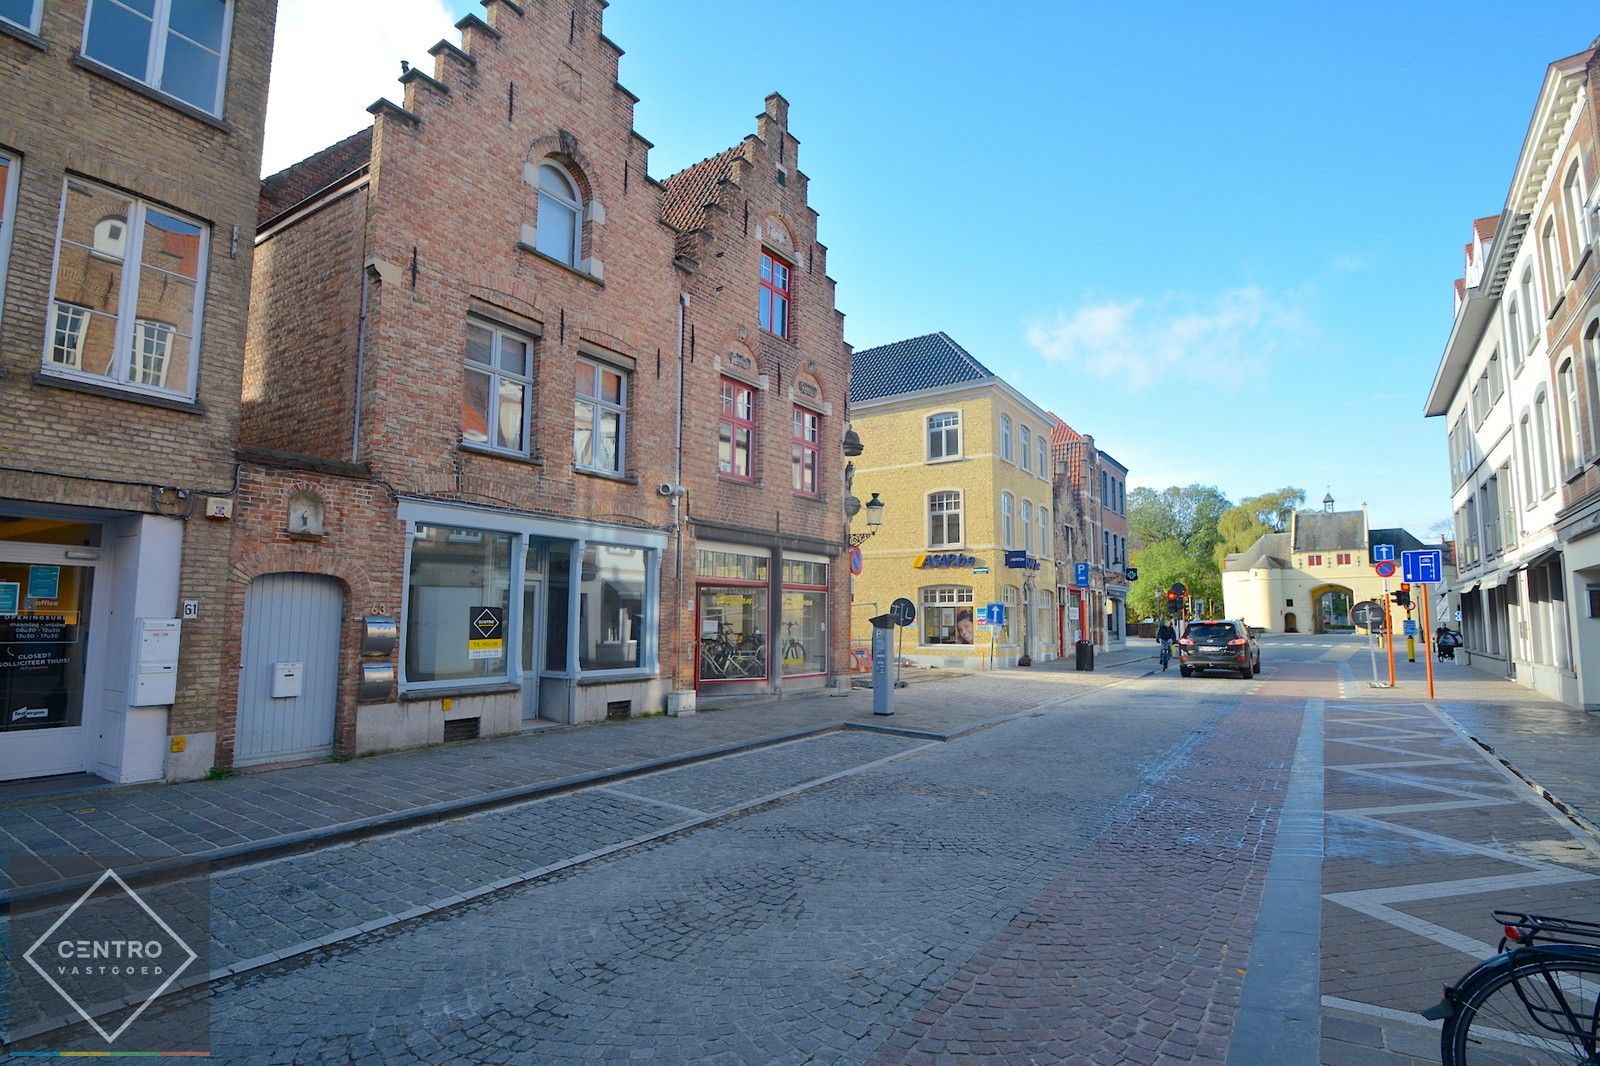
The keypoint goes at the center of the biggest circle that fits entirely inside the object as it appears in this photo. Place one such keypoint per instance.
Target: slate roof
(691, 190)
(927, 362)
(298, 183)
(1269, 552)
(1402, 540)
(1320, 531)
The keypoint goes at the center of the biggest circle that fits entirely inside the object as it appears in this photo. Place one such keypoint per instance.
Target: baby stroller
(1447, 641)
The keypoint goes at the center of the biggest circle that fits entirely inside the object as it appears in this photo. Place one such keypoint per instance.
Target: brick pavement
(259, 813)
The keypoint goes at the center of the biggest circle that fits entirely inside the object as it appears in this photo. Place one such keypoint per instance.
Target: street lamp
(874, 509)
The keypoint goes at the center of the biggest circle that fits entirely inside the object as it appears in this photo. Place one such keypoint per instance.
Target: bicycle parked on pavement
(1536, 1001)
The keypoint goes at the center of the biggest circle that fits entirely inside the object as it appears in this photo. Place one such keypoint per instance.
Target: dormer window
(560, 221)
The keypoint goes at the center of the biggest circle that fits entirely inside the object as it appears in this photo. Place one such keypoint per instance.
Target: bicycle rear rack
(1529, 927)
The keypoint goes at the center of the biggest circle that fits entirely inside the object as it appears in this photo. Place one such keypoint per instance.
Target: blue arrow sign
(1422, 567)
(1383, 553)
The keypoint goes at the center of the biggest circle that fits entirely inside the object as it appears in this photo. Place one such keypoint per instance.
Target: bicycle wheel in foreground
(1528, 1014)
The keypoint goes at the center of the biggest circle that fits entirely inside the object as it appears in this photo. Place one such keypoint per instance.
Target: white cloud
(332, 59)
(1227, 338)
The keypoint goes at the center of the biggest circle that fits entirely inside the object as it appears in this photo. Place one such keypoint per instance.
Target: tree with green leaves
(1241, 526)
(1164, 564)
(1188, 514)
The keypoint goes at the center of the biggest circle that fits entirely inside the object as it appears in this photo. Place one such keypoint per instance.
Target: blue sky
(1220, 237)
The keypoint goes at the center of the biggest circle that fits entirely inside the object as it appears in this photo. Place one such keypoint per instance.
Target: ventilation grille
(619, 709)
(461, 729)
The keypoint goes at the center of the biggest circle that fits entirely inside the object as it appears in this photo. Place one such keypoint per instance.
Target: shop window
(946, 614)
(44, 629)
(733, 615)
(804, 647)
(611, 608)
(125, 311)
(458, 579)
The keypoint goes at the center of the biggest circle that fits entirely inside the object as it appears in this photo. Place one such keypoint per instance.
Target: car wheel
(1186, 671)
(1256, 667)
(1245, 672)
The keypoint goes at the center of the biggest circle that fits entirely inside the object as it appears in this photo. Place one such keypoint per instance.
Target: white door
(289, 668)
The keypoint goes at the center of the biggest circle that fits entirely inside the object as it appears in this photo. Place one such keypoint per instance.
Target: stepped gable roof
(300, 182)
(927, 362)
(1323, 531)
(1402, 540)
(1269, 552)
(691, 190)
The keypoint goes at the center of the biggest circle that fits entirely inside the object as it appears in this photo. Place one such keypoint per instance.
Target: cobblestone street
(1088, 879)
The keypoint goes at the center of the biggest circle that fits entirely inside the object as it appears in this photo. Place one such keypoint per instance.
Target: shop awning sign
(486, 633)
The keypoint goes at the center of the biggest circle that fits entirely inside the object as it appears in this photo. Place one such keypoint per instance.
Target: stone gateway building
(528, 435)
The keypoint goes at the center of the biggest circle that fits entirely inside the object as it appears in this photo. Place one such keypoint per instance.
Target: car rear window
(1211, 631)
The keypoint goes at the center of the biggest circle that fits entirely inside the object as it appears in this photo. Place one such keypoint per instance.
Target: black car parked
(1219, 644)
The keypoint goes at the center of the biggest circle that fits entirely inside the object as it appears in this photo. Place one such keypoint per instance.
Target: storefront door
(532, 637)
(46, 610)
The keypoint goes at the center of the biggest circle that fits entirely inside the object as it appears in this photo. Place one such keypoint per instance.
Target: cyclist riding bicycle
(1166, 635)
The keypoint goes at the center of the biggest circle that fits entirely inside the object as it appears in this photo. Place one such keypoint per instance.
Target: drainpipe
(677, 488)
(361, 354)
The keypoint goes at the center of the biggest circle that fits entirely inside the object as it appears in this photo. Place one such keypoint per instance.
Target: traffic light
(1172, 602)
(1402, 597)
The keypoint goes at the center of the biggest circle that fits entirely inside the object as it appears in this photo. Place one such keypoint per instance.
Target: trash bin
(1085, 652)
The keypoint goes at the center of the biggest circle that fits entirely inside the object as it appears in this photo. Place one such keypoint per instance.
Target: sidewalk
(1555, 748)
(155, 830)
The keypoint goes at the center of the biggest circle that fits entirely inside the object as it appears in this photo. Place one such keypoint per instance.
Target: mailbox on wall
(155, 663)
(379, 634)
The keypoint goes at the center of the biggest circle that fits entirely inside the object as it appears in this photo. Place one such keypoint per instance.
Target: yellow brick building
(961, 461)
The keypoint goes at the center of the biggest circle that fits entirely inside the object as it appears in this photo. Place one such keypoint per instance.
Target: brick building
(1090, 490)
(124, 281)
(475, 325)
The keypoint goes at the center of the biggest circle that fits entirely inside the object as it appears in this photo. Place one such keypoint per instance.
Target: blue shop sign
(1017, 559)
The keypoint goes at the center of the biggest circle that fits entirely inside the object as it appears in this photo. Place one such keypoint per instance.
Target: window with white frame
(558, 228)
(1027, 525)
(1480, 399)
(944, 520)
(1541, 431)
(1571, 437)
(128, 312)
(1577, 232)
(499, 388)
(9, 170)
(1530, 307)
(1045, 548)
(1044, 456)
(1025, 446)
(1530, 487)
(946, 614)
(1508, 507)
(600, 417)
(1551, 255)
(1005, 438)
(1514, 329)
(1008, 521)
(944, 435)
(23, 13)
(1497, 377)
(177, 46)
(1591, 379)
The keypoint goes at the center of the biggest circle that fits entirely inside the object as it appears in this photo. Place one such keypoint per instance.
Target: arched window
(1571, 441)
(1008, 521)
(560, 221)
(1027, 526)
(1514, 333)
(1577, 232)
(1551, 255)
(1530, 307)
(1541, 430)
(1530, 487)
(1005, 437)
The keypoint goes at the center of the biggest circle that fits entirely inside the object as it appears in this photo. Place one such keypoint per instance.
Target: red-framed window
(805, 439)
(1313, 560)
(736, 431)
(1344, 558)
(774, 295)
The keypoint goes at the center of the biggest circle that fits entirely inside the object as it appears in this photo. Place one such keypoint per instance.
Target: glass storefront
(946, 615)
(804, 650)
(44, 639)
(459, 591)
(733, 615)
(611, 607)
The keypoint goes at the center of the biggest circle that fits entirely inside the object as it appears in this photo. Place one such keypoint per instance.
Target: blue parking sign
(1422, 567)
(1080, 575)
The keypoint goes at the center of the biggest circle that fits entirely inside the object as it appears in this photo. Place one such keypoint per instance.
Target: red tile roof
(691, 190)
(296, 184)
(1486, 226)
